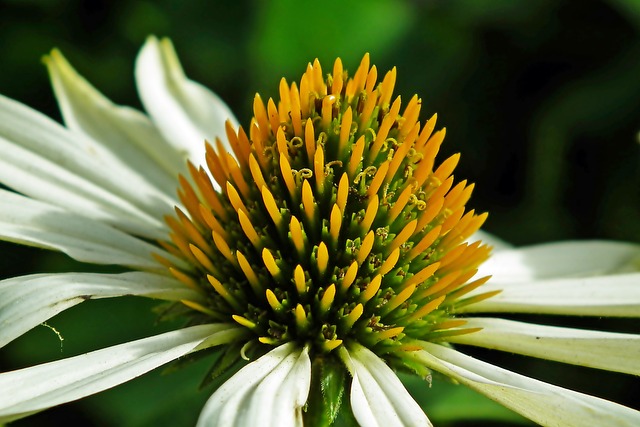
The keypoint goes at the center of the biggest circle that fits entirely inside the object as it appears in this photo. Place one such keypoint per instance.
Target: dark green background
(541, 97)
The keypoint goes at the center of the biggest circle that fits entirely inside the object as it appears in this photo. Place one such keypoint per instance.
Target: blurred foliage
(541, 97)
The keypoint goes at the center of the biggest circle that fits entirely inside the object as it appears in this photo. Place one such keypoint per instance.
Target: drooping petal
(29, 390)
(270, 391)
(563, 259)
(615, 295)
(128, 136)
(27, 301)
(46, 161)
(30, 222)
(596, 349)
(378, 398)
(186, 112)
(543, 403)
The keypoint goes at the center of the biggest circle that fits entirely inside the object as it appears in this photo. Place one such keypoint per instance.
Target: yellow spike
(398, 299)
(307, 201)
(199, 307)
(251, 276)
(365, 247)
(422, 275)
(270, 263)
(273, 301)
(432, 146)
(425, 309)
(372, 289)
(299, 280)
(335, 223)
(202, 258)
(318, 168)
(270, 340)
(378, 179)
(274, 117)
(310, 139)
(318, 78)
(323, 257)
(424, 243)
(305, 95)
(285, 101)
(387, 86)
(370, 213)
(190, 230)
(215, 166)
(327, 298)
(446, 168)
(401, 153)
(343, 191)
(297, 236)
(234, 198)
(399, 204)
(361, 74)
(296, 114)
(351, 318)
(403, 236)
(223, 247)
(356, 156)
(327, 111)
(271, 206)
(256, 172)
(336, 86)
(450, 324)
(410, 115)
(427, 129)
(185, 279)
(345, 130)
(369, 105)
(248, 229)
(390, 262)
(260, 114)
(383, 131)
(281, 143)
(452, 220)
(349, 277)
(212, 222)
(287, 174)
(372, 77)
(434, 206)
(236, 175)
(330, 345)
(224, 293)
(301, 318)
(244, 321)
(389, 333)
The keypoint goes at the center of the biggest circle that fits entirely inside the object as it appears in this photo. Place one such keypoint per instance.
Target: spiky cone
(330, 224)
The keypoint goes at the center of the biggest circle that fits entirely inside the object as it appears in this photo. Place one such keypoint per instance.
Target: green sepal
(328, 382)
(228, 358)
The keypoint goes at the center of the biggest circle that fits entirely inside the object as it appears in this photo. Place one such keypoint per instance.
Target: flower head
(325, 243)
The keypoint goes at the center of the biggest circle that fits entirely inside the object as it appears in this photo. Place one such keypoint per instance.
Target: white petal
(270, 391)
(378, 398)
(29, 222)
(186, 112)
(543, 403)
(33, 389)
(43, 160)
(595, 349)
(617, 295)
(497, 243)
(564, 259)
(27, 301)
(128, 136)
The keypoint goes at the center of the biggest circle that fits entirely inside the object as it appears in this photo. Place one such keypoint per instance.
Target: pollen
(330, 221)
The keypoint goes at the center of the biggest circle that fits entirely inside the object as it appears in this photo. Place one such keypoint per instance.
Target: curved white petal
(186, 112)
(617, 295)
(543, 403)
(128, 136)
(270, 391)
(33, 389)
(30, 222)
(497, 243)
(595, 349)
(378, 398)
(563, 259)
(27, 301)
(46, 161)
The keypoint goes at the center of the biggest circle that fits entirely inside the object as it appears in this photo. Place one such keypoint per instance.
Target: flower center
(330, 221)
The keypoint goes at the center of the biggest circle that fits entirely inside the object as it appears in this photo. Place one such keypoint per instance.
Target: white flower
(100, 190)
